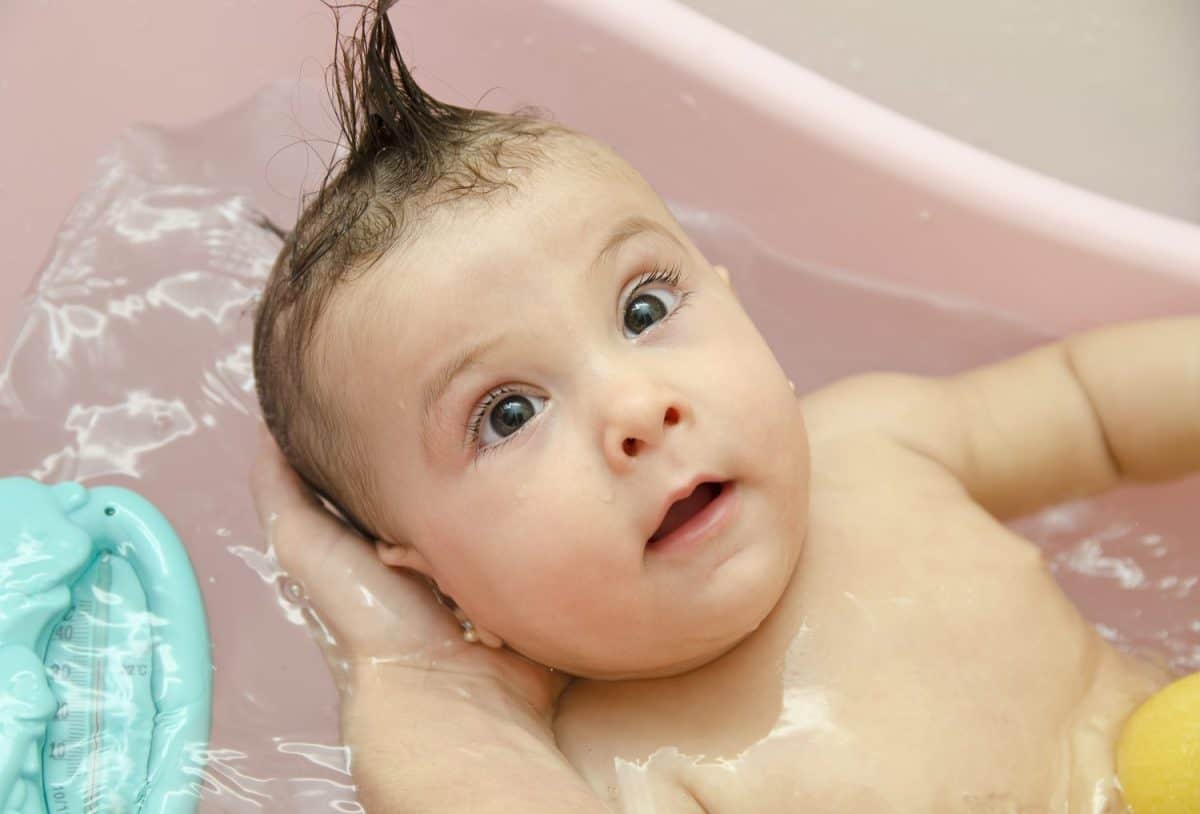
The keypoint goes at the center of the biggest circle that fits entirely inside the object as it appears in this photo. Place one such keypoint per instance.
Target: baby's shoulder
(876, 440)
(881, 423)
(872, 404)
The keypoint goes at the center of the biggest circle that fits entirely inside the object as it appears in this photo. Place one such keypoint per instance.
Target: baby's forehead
(472, 255)
(573, 170)
(553, 211)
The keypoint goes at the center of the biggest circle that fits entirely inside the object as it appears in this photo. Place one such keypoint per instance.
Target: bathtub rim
(894, 144)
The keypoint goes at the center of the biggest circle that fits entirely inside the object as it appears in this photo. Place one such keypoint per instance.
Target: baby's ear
(401, 555)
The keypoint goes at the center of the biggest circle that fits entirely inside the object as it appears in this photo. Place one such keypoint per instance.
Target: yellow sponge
(1158, 754)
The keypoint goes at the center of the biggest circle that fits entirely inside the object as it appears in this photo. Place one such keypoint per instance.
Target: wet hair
(402, 153)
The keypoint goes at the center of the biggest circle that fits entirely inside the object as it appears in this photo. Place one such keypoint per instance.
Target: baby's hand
(375, 623)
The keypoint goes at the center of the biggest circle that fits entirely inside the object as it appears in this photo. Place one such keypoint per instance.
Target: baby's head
(488, 342)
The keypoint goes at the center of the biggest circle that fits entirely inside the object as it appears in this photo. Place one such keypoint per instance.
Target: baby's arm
(1060, 422)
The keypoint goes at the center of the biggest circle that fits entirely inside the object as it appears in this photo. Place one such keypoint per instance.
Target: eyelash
(669, 275)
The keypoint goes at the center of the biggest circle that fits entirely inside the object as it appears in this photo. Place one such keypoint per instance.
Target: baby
(662, 582)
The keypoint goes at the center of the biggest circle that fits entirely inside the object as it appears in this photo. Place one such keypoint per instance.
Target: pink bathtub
(857, 239)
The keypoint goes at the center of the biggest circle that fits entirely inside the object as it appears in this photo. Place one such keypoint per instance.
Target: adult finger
(299, 529)
(275, 486)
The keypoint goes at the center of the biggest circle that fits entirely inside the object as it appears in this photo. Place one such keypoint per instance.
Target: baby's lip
(679, 493)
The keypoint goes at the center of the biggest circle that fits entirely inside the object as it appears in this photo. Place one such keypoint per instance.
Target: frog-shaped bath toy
(105, 664)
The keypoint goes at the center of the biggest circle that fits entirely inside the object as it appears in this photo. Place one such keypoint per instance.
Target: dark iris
(510, 414)
(643, 312)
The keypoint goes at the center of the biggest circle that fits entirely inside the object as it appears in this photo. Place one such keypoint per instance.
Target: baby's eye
(644, 309)
(505, 412)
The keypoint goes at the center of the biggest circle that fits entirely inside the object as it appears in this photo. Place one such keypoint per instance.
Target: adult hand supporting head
(376, 623)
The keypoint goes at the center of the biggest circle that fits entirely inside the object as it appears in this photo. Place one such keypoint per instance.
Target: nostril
(672, 417)
(630, 446)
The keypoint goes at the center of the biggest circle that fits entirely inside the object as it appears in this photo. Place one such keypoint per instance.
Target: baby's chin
(675, 668)
(628, 669)
(753, 594)
(714, 610)
(663, 661)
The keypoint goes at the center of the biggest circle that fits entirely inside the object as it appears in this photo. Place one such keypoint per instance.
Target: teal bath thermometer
(105, 662)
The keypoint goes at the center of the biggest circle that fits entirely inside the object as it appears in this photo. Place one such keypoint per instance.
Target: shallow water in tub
(132, 368)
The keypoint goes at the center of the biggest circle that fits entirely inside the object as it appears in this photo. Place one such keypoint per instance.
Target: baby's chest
(643, 760)
(719, 758)
(882, 666)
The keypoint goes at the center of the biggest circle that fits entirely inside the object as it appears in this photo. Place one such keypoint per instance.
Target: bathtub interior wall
(812, 170)
(131, 362)
(711, 117)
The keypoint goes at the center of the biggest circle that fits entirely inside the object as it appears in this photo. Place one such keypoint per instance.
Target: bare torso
(921, 659)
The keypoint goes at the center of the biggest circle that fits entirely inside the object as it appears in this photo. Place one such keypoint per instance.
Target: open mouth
(682, 511)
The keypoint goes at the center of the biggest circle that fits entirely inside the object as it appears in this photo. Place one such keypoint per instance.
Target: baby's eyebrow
(629, 228)
(440, 381)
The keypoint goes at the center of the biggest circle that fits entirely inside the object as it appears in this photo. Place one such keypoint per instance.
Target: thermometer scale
(105, 661)
(98, 663)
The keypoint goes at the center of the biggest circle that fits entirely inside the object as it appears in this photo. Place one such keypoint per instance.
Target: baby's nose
(632, 445)
(639, 423)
